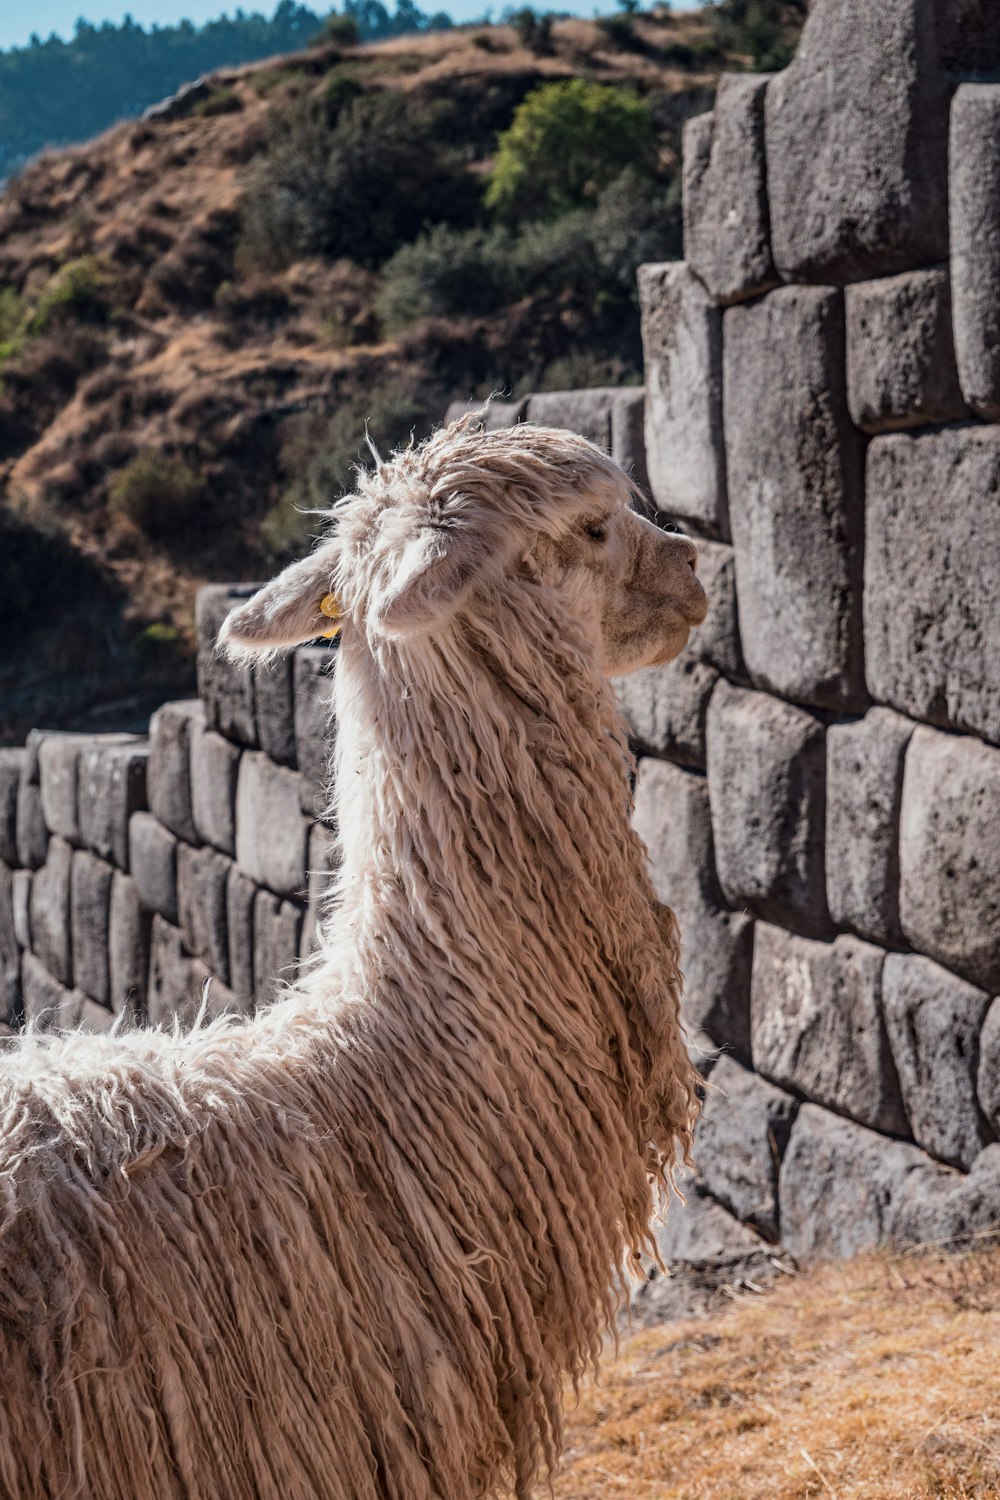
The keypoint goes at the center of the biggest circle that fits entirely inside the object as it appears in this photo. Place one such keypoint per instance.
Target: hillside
(199, 312)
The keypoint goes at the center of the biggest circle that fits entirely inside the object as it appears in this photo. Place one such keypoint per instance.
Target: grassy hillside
(876, 1380)
(198, 314)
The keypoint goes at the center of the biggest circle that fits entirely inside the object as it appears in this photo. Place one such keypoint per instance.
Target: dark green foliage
(359, 188)
(619, 30)
(54, 92)
(533, 31)
(763, 31)
(158, 494)
(321, 452)
(225, 101)
(341, 31)
(39, 571)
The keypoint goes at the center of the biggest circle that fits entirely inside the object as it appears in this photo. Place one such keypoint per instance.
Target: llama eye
(598, 531)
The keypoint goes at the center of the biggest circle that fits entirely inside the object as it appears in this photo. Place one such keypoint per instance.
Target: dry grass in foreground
(877, 1380)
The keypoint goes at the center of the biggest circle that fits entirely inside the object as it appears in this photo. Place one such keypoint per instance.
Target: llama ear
(429, 582)
(296, 606)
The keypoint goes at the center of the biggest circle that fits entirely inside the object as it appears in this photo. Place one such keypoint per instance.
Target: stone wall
(133, 870)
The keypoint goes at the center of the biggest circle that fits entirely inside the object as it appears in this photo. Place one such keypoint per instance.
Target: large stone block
(168, 778)
(936, 1206)
(839, 1185)
(176, 980)
(901, 369)
(587, 412)
(129, 925)
(315, 729)
(666, 707)
(726, 223)
(215, 763)
(12, 764)
(496, 415)
(111, 786)
(21, 898)
(672, 817)
(932, 576)
(685, 450)
(58, 758)
(50, 912)
(323, 865)
(274, 701)
(864, 789)
(153, 863)
(740, 1141)
(949, 854)
(48, 1005)
(202, 876)
(240, 896)
(767, 784)
(816, 1015)
(277, 927)
(795, 497)
(90, 908)
(226, 688)
(934, 1021)
(32, 834)
(856, 149)
(717, 641)
(10, 949)
(628, 434)
(272, 833)
(975, 242)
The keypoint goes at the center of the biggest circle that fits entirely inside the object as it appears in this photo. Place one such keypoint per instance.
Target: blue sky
(19, 18)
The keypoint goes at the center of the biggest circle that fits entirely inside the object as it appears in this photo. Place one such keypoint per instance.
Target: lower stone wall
(134, 870)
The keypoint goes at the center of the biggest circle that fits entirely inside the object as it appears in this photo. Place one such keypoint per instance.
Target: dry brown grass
(879, 1380)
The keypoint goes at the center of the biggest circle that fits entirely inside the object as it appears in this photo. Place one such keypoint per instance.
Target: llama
(352, 1247)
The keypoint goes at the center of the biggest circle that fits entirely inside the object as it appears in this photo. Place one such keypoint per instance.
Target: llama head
(477, 521)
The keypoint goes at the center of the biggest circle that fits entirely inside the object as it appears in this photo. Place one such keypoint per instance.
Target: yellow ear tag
(329, 605)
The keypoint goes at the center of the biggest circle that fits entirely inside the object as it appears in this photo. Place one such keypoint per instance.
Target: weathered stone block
(226, 688)
(740, 1141)
(129, 926)
(949, 854)
(934, 1021)
(48, 1005)
(672, 817)
(699, 1232)
(795, 497)
(215, 763)
(271, 830)
(153, 863)
(767, 782)
(816, 1016)
(936, 1206)
(12, 764)
(717, 641)
(111, 784)
(666, 708)
(685, 451)
(587, 412)
(274, 701)
(932, 576)
(864, 789)
(32, 834)
(240, 896)
(901, 369)
(21, 897)
(90, 908)
(322, 867)
(50, 912)
(628, 433)
(315, 730)
(975, 242)
(168, 778)
(277, 927)
(201, 903)
(176, 980)
(58, 757)
(10, 948)
(498, 413)
(726, 223)
(839, 1184)
(856, 150)
(989, 1066)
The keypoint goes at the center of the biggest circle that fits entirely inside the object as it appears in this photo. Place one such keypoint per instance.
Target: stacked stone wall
(133, 870)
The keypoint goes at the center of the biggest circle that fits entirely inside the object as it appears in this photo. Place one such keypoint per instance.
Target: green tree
(567, 142)
(764, 31)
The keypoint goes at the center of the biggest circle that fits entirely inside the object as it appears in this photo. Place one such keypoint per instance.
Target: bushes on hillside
(764, 31)
(359, 188)
(158, 494)
(568, 141)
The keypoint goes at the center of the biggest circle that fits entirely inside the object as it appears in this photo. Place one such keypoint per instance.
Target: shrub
(446, 272)
(224, 101)
(619, 31)
(360, 188)
(568, 140)
(763, 31)
(79, 289)
(338, 30)
(158, 494)
(533, 31)
(159, 647)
